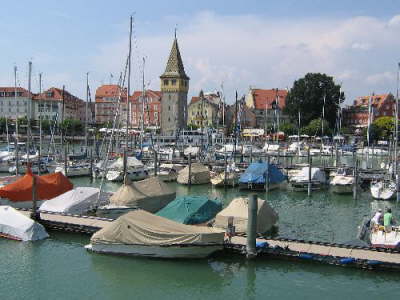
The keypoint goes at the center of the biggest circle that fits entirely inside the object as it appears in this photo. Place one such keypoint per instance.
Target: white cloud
(252, 50)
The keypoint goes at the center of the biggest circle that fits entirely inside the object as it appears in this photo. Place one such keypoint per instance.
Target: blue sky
(263, 44)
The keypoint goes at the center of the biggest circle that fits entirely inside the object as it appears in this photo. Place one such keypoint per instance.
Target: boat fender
(373, 262)
(347, 260)
(306, 256)
(262, 245)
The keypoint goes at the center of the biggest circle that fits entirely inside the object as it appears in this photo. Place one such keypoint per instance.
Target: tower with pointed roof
(174, 88)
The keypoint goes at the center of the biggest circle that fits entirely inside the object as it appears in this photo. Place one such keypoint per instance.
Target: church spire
(175, 66)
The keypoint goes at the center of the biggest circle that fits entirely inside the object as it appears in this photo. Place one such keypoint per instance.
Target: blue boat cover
(191, 209)
(257, 172)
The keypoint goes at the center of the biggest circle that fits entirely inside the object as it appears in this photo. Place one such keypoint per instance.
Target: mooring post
(156, 161)
(267, 174)
(225, 170)
(252, 227)
(355, 179)
(65, 162)
(309, 172)
(91, 164)
(251, 154)
(34, 213)
(190, 169)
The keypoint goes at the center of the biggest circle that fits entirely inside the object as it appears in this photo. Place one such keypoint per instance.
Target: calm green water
(59, 267)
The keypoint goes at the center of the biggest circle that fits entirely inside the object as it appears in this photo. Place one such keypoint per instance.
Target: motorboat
(378, 236)
(150, 194)
(372, 151)
(77, 201)
(238, 211)
(135, 170)
(15, 225)
(75, 169)
(191, 210)
(140, 233)
(193, 151)
(271, 149)
(169, 172)
(23, 167)
(342, 182)
(383, 190)
(256, 175)
(19, 193)
(200, 174)
(300, 181)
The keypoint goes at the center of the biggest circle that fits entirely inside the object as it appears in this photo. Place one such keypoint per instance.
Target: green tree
(288, 128)
(314, 128)
(385, 126)
(374, 133)
(307, 97)
(46, 126)
(3, 125)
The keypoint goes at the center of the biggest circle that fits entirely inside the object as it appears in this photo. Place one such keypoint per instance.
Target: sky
(225, 45)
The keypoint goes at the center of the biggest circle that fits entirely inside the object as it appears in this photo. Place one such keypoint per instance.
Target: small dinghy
(16, 226)
(238, 210)
(383, 190)
(140, 233)
(199, 174)
(150, 194)
(77, 201)
(191, 210)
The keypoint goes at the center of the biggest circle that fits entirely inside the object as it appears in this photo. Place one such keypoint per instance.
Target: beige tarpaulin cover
(150, 194)
(238, 209)
(139, 227)
(200, 174)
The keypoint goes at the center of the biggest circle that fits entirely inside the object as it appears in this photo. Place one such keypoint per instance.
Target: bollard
(309, 173)
(34, 213)
(190, 169)
(252, 227)
(156, 162)
(267, 175)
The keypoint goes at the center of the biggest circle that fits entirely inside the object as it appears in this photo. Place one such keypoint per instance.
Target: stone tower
(174, 88)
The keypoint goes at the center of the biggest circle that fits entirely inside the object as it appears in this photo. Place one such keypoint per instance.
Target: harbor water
(60, 268)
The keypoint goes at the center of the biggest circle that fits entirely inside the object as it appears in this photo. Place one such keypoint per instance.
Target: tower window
(165, 81)
(173, 81)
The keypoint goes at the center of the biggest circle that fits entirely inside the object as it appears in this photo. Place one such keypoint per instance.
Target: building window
(169, 108)
(173, 81)
(169, 97)
(155, 107)
(165, 81)
(156, 116)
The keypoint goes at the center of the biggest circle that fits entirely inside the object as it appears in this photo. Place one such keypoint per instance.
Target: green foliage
(385, 127)
(288, 128)
(193, 126)
(307, 96)
(374, 133)
(314, 128)
(71, 126)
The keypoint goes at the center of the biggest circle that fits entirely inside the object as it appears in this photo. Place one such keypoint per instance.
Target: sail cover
(150, 194)
(139, 227)
(16, 225)
(47, 186)
(257, 172)
(238, 209)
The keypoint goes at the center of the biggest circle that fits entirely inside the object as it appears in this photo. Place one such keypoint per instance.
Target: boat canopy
(130, 162)
(191, 209)
(238, 209)
(47, 187)
(150, 194)
(16, 225)
(139, 227)
(76, 201)
(257, 172)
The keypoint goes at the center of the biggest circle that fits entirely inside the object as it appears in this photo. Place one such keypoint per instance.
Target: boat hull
(186, 251)
(342, 188)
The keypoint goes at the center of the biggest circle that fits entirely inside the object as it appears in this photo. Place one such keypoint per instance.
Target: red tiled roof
(194, 99)
(263, 98)
(149, 93)
(376, 100)
(25, 93)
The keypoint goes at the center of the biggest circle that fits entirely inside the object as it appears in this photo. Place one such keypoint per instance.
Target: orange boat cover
(47, 187)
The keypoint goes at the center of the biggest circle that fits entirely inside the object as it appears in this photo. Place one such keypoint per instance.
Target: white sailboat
(383, 190)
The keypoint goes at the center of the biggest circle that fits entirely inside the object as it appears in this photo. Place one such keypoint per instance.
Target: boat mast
(40, 121)
(16, 125)
(396, 139)
(28, 132)
(127, 102)
(86, 112)
(143, 99)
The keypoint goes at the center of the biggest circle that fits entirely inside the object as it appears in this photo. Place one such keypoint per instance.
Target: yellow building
(203, 111)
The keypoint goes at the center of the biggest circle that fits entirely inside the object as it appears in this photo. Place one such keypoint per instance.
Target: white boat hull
(191, 251)
(74, 171)
(380, 192)
(342, 188)
(381, 239)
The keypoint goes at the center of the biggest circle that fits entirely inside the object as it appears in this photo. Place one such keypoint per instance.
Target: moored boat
(140, 233)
